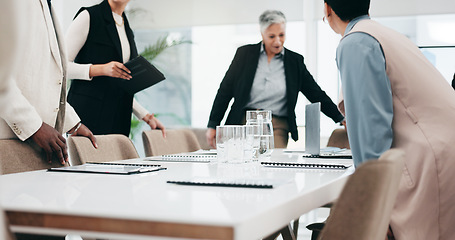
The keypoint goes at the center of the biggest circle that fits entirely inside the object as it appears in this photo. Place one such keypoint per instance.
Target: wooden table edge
(119, 226)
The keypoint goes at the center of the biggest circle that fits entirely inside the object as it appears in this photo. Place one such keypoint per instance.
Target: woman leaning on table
(268, 76)
(99, 41)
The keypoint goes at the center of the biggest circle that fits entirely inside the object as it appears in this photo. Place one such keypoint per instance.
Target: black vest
(103, 106)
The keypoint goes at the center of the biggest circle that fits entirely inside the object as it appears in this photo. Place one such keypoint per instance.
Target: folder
(109, 168)
(143, 74)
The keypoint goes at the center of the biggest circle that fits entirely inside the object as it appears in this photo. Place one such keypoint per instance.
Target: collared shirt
(367, 94)
(269, 85)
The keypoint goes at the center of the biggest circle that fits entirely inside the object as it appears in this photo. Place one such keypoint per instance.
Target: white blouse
(76, 36)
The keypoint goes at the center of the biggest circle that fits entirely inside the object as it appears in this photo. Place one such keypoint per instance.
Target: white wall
(184, 13)
(66, 9)
(384, 8)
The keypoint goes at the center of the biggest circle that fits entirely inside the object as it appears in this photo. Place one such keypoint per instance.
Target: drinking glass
(266, 144)
(252, 116)
(262, 118)
(230, 143)
(252, 142)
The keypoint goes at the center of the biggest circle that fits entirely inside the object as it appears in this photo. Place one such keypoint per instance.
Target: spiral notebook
(185, 157)
(110, 168)
(215, 183)
(328, 152)
(306, 165)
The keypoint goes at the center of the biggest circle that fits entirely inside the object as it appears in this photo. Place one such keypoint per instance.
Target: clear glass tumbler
(262, 118)
(230, 143)
(252, 142)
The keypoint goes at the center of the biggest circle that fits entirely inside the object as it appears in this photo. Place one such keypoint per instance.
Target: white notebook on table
(203, 156)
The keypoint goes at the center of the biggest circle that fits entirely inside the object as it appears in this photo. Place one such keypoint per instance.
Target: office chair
(111, 147)
(364, 207)
(176, 141)
(18, 156)
(200, 135)
(339, 139)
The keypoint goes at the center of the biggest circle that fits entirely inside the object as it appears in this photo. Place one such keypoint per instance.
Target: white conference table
(127, 206)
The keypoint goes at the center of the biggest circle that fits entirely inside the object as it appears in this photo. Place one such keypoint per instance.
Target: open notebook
(109, 168)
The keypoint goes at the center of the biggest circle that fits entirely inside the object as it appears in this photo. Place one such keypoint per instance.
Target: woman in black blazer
(268, 76)
(99, 41)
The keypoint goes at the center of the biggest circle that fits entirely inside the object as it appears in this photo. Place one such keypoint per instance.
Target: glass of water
(252, 116)
(252, 142)
(230, 141)
(262, 118)
(266, 144)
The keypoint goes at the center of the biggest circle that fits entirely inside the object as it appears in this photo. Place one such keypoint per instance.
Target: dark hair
(347, 10)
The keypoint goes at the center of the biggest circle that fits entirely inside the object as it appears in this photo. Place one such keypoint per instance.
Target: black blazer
(239, 78)
(103, 106)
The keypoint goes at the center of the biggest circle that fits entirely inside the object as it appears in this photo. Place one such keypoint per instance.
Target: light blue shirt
(367, 94)
(269, 85)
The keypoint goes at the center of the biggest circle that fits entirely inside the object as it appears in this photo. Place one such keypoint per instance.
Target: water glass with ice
(230, 143)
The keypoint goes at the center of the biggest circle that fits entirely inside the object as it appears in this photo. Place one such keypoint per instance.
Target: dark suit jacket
(102, 104)
(239, 78)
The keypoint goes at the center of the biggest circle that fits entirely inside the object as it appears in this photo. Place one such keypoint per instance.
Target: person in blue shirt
(395, 98)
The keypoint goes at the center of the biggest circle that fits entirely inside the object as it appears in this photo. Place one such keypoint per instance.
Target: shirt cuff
(79, 71)
(138, 110)
(339, 119)
(212, 124)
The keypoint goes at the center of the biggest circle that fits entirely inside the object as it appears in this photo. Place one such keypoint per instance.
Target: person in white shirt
(99, 42)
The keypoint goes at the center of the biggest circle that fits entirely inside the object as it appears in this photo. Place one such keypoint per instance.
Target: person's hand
(210, 136)
(154, 123)
(84, 131)
(115, 69)
(52, 142)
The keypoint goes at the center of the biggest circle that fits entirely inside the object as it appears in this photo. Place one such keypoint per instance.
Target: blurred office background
(216, 28)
